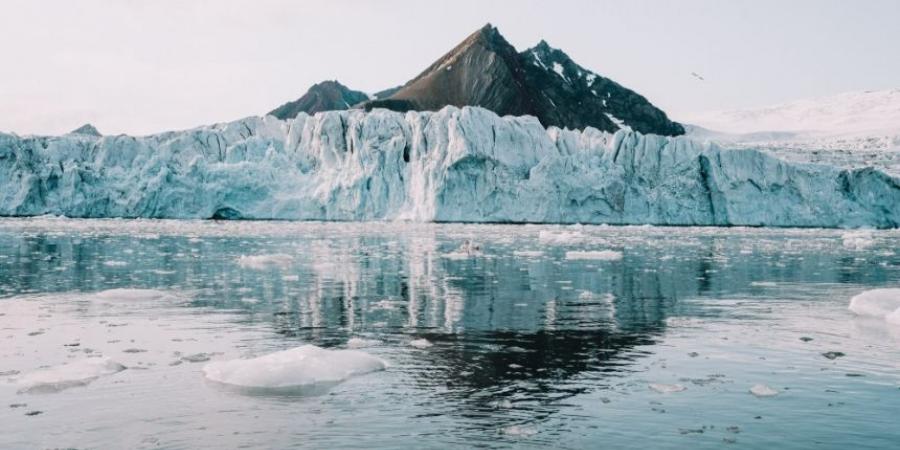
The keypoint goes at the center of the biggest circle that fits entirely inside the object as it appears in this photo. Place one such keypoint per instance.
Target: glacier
(457, 164)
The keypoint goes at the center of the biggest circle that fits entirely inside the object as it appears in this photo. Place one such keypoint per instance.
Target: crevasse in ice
(456, 164)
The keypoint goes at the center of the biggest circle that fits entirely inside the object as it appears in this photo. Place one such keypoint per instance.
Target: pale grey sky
(142, 66)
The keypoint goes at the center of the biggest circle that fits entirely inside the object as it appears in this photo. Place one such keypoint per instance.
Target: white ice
(600, 255)
(858, 239)
(302, 367)
(878, 303)
(74, 374)
(456, 164)
(667, 388)
(762, 390)
(264, 261)
(421, 344)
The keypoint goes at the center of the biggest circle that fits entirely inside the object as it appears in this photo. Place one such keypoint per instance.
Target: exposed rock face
(453, 165)
(325, 96)
(575, 97)
(486, 71)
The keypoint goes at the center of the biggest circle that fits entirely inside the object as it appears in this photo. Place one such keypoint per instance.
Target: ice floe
(264, 261)
(58, 378)
(560, 237)
(601, 255)
(421, 343)
(667, 388)
(301, 369)
(878, 303)
(858, 239)
(762, 390)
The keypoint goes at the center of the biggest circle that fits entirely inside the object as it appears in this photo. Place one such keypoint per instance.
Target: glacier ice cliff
(455, 164)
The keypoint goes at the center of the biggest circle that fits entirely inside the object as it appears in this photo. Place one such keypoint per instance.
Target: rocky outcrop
(325, 96)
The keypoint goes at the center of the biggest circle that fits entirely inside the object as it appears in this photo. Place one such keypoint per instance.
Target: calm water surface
(532, 347)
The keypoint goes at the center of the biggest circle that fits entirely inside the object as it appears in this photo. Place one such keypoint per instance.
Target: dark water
(532, 347)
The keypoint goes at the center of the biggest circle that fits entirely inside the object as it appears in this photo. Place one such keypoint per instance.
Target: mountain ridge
(485, 70)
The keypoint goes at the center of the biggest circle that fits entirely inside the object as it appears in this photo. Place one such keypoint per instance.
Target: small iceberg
(878, 303)
(601, 255)
(263, 261)
(307, 369)
(361, 342)
(55, 379)
(421, 344)
(761, 390)
(667, 388)
(858, 240)
(560, 237)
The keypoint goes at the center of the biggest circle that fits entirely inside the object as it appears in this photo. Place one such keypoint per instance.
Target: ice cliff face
(452, 165)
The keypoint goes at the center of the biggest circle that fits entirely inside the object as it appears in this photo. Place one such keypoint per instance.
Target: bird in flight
(697, 76)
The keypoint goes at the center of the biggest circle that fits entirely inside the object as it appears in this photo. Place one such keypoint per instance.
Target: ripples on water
(530, 348)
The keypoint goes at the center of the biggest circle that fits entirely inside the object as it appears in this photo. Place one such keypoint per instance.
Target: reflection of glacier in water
(529, 347)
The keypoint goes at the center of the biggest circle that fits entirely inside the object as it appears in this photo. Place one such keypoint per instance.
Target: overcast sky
(135, 66)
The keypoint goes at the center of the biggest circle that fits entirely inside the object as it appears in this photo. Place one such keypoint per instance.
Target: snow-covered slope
(847, 130)
(853, 113)
(452, 165)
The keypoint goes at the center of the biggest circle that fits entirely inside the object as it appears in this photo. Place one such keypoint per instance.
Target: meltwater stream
(493, 336)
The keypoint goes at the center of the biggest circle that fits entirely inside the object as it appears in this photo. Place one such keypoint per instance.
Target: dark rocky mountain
(87, 130)
(566, 94)
(485, 70)
(325, 96)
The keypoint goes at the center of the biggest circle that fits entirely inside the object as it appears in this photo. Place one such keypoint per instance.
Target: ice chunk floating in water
(667, 388)
(462, 165)
(263, 261)
(601, 255)
(304, 369)
(858, 240)
(761, 390)
(421, 344)
(80, 373)
(878, 303)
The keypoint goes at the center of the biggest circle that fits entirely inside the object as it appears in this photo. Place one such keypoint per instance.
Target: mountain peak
(485, 70)
(482, 70)
(327, 84)
(542, 46)
(87, 130)
(326, 95)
